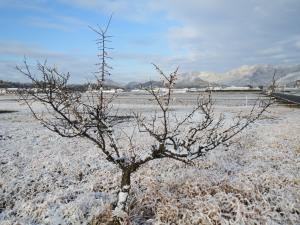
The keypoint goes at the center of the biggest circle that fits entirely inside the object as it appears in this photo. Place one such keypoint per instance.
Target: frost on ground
(46, 179)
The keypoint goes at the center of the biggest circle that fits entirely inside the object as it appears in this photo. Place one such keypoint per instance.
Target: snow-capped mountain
(254, 75)
(184, 81)
(289, 78)
(191, 80)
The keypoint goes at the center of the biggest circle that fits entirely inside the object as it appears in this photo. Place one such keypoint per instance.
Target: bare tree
(92, 116)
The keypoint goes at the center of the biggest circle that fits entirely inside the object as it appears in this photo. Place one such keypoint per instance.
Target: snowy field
(47, 179)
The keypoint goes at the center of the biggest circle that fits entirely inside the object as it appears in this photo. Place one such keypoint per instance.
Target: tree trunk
(120, 210)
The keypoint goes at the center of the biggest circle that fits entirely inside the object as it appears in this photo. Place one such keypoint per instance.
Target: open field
(47, 179)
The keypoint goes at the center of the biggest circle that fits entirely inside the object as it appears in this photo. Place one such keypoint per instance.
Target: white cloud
(28, 5)
(14, 48)
(80, 66)
(271, 51)
(57, 22)
(183, 33)
(136, 10)
(224, 34)
(212, 35)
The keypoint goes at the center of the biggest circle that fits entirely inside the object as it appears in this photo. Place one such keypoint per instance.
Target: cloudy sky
(196, 35)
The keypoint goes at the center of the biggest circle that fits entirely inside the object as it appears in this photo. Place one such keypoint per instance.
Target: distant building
(180, 90)
(12, 90)
(109, 91)
(248, 88)
(139, 91)
(2, 91)
(214, 88)
(119, 90)
(192, 90)
(161, 90)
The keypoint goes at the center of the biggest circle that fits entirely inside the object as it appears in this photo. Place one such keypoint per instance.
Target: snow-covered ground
(47, 179)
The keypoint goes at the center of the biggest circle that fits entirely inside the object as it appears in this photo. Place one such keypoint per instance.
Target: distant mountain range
(182, 82)
(137, 85)
(254, 75)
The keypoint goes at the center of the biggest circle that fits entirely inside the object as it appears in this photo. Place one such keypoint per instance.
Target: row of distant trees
(74, 87)
(8, 84)
(84, 87)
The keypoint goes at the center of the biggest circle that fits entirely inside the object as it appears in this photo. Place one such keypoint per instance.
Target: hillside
(254, 75)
